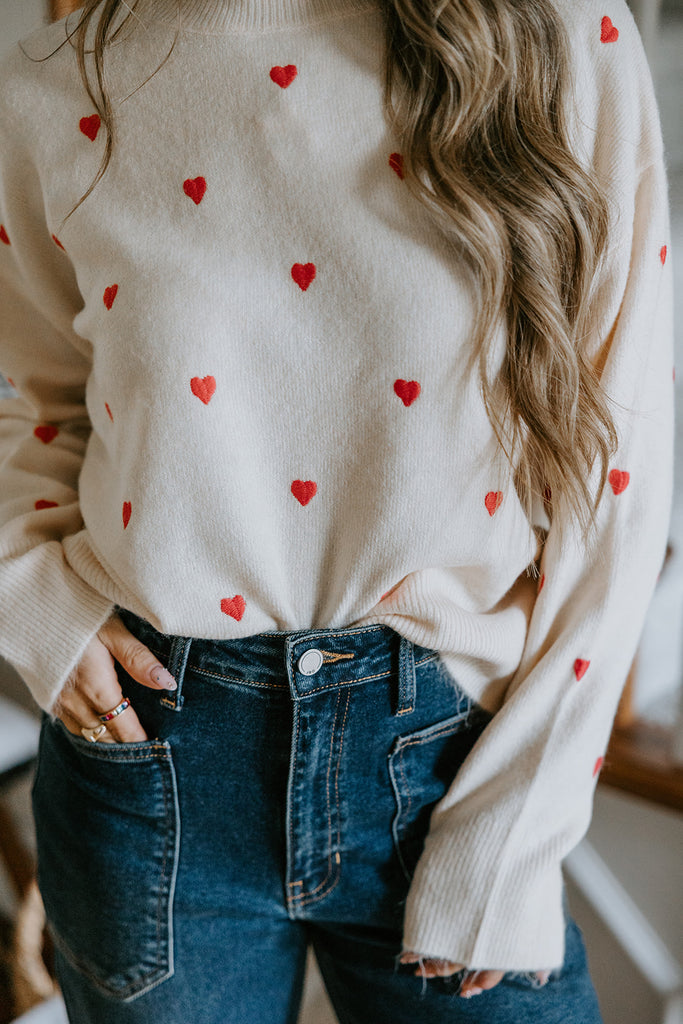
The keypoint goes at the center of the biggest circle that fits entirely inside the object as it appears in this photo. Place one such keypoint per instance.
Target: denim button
(310, 661)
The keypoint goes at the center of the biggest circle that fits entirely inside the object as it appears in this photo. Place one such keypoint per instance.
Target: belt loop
(406, 677)
(177, 660)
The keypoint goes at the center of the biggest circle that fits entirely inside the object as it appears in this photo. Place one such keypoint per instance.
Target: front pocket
(107, 832)
(422, 765)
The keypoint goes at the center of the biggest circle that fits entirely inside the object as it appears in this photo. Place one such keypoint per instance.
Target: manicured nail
(164, 679)
(474, 991)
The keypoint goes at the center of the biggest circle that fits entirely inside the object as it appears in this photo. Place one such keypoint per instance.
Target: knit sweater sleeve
(48, 613)
(487, 890)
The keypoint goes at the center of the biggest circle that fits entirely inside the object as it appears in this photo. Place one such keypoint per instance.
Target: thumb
(137, 659)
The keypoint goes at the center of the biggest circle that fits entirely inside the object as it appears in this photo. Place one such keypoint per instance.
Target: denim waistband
(304, 661)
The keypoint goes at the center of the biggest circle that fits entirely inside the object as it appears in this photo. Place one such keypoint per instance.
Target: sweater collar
(217, 16)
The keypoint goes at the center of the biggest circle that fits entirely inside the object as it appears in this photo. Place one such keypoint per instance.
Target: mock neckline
(214, 17)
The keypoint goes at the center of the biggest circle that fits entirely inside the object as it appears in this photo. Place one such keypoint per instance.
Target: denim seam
(397, 817)
(305, 898)
(308, 897)
(405, 790)
(411, 741)
(157, 755)
(83, 967)
(237, 679)
(177, 664)
(406, 677)
(155, 751)
(151, 978)
(192, 667)
(404, 811)
(164, 861)
(345, 632)
(290, 832)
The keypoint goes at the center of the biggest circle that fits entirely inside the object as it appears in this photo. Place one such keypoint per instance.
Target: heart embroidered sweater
(242, 404)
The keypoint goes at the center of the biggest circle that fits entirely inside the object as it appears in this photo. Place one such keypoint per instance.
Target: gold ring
(92, 735)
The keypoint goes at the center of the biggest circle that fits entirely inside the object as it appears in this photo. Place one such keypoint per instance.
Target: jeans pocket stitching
(403, 797)
(151, 960)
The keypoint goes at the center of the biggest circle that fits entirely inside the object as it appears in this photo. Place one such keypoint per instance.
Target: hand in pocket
(92, 689)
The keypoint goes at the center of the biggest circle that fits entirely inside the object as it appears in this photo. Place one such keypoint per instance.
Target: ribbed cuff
(49, 616)
(464, 905)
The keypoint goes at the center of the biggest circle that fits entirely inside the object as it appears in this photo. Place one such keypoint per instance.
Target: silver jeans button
(310, 661)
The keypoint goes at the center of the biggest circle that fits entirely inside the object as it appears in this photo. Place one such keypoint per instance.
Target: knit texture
(241, 405)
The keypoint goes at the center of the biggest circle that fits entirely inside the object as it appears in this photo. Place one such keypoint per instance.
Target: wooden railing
(643, 757)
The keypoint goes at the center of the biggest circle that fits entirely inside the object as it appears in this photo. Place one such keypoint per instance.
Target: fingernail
(474, 991)
(163, 678)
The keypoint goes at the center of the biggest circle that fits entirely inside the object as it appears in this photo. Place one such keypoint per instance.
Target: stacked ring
(92, 735)
(108, 715)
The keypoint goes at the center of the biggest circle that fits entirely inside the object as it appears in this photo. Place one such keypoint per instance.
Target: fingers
(434, 968)
(474, 983)
(93, 686)
(76, 711)
(480, 981)
(133, 656)
(431, 967)
(70, 722)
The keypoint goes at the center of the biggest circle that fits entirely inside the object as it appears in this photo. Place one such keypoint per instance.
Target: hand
(475, 981)
(93, 688)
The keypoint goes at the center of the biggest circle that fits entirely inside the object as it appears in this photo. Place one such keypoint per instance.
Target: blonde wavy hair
(481, 117)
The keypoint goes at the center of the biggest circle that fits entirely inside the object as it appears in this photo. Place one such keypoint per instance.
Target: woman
(341, 339)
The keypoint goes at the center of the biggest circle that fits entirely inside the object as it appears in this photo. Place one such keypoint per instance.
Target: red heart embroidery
(233, 606)
(110, 295)
(90, 126)
(540, 583)
(195, 189)
(46, 433)
(303, 490)
(609, 33)
(126, 513)
(396, 164)
(203, 388)
(57, 242)
(4, 237)
(493, 500)
(42, 503)
(618, 479)
(303, 274)
(580, 666)
(10, 381)
(662, 255)
(598, 766)
(407, 390)
(106, 406)
(283, 76)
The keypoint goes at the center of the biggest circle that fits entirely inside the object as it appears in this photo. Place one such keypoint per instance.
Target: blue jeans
(281, 800)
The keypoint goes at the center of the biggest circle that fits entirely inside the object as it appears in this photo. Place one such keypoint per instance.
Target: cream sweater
(241, 405)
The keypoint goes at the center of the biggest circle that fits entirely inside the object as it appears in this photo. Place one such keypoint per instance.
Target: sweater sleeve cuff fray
(49, 617)
(518, 924)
